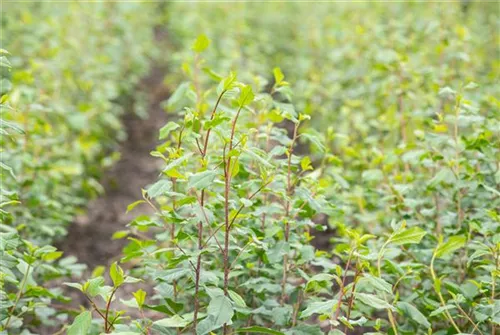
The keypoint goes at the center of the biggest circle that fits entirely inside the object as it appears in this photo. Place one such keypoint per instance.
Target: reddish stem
(108, 305)
(287, 213)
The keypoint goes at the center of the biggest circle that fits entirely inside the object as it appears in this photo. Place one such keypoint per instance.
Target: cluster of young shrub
(65, 68)
(407, 107)
(397, 123)
(228, 248)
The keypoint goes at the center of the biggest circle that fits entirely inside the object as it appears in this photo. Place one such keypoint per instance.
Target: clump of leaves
(25, 269)
(99, 294)
(69, 112)
(412, 146)
(227, 248)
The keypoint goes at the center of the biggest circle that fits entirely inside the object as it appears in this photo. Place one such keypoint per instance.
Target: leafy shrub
(228, 247)
(400, 151)
(411, 140)
(233, 205)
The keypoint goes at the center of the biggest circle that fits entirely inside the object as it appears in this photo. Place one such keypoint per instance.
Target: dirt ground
(89, 237)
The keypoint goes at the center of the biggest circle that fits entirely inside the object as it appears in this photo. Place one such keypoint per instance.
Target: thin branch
(211, 118)
(208, 222)
(92, 303)
(108, 305)
(199, 147)
(341, 293)
(236, 215)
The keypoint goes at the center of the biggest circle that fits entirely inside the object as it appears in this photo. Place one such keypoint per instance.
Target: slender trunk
(107, 325)
(198, 268)
(287, 214)
(200, 226)
(172, 227)
(341, 291)
(226, 232)
(227, 225)
(351, 298)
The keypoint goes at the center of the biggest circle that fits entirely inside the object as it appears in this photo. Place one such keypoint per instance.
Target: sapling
(238, 197)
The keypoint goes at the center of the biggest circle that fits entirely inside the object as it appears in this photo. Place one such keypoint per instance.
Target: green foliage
(25, 267)
(386, 131)
(62, 91)
(409, 117)
(65, 100)
(236, 211)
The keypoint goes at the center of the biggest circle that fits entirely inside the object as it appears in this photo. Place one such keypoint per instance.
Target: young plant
(233, 211)
(95, 288)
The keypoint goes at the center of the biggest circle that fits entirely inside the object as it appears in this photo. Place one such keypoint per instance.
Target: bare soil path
(89, 237)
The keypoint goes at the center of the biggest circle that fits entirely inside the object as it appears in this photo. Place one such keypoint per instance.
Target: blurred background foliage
(368, 73)
(73, 63)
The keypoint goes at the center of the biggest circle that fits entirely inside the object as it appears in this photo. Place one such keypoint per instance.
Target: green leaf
(10, 125)
(81, 325)
(453, 243)
(471, 86)
(174, 321)
(315, 140)
(9, 241)
(120, 234)
(229, 81)
(318, 307)
(373, 301)
(173, 274)
(74, 285)
(8, 169)
(412, 312)
(373, 175)
(202, 42)
(447, 92)
(305, 164)
(98, 271)
(201, 180)
(259, 330)
(408, 236)
(134, 204)
(218, 119)
(442, 309)
(221, 310)
(116, 274)
(378, 284)
(140, 297)
(176, 98)
(93, 286)
(252, 152)
(166, 129)
(246, 96)
(238, 300)
(159, 188)
(205, 326)
(278, 76)
(175, 163)
(9, 203)
(320, 277)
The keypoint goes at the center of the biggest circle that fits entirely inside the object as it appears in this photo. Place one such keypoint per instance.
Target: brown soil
(89, 237)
